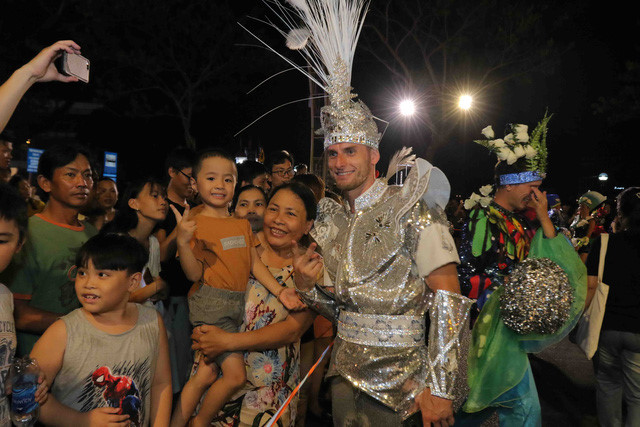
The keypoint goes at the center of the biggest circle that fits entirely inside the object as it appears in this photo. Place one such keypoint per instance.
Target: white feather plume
(297, 38)
(403, 157)
(299, 4)
(334, 27)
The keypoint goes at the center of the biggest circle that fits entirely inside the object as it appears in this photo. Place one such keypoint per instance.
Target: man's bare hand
(539, 202)
(435, 410)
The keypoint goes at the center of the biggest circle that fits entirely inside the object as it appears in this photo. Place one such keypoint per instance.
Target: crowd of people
(205, 297)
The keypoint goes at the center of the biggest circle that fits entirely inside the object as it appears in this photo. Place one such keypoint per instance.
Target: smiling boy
(217, 252)
(109, 359)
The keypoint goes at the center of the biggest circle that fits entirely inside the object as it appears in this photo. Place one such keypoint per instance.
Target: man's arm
(434, 408)
(161, 394)
(444, 278)
(31, 319)
(40, 68)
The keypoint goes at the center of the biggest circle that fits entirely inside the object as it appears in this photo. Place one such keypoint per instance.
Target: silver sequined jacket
(369, 256)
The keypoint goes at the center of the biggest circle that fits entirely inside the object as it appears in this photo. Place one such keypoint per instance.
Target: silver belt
(381, 330)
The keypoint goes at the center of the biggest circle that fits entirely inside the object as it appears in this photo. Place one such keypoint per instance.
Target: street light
(407, 108)
(465, 102)
(603, 176)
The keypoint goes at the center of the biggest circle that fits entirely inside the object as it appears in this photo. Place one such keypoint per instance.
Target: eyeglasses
(189, 177)
(283, 172)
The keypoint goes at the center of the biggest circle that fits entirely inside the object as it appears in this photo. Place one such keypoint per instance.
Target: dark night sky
(581, 144)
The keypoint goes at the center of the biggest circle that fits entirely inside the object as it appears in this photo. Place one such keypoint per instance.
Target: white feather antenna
(403, 157)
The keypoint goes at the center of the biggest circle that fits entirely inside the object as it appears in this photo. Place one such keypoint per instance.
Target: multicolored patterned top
(271, 374)
(493, 241)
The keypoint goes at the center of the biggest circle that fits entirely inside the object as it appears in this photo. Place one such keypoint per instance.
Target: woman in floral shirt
(271, 335)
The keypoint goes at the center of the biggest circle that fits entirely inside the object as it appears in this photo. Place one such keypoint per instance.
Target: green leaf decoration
(538, 140)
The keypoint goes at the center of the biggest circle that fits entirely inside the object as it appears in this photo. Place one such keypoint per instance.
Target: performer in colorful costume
(497, 242)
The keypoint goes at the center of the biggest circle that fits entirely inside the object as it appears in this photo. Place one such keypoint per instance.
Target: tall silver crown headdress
(326, 32)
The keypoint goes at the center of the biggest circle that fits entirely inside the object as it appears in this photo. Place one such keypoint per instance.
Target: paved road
(566, 386)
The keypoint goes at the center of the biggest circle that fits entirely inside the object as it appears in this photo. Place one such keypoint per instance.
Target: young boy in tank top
(217, 252)
(109, 360)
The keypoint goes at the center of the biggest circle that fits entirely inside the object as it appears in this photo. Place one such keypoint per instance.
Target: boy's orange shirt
(223, 246)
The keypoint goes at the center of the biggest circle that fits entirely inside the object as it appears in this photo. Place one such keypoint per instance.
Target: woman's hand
(210, 340)
(307, 266)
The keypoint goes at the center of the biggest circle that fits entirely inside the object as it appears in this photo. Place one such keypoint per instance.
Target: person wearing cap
(496, 239)
(583, 223)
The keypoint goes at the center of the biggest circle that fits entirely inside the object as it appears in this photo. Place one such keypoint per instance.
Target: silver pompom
(537, 298)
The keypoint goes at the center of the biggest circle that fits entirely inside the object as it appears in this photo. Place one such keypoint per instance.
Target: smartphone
(71, 64)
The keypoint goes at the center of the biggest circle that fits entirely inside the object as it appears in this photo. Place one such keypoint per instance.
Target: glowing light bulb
(465, 102)
(407, 107)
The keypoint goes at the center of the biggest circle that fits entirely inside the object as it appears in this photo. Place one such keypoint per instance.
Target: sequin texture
(375, 276)
(537, 297)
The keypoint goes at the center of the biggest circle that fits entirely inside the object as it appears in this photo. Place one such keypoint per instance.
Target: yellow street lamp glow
(407, 107)
(465, 102)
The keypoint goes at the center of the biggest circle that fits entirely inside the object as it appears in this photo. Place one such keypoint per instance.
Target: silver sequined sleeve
(448, 314)
(320, 301)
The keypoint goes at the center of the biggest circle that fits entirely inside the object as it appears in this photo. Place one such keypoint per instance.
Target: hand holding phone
(42, 68)
(73, 64)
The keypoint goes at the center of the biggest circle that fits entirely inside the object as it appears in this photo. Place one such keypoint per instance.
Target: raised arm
(40, 68)
(185, 230)
(541, 205)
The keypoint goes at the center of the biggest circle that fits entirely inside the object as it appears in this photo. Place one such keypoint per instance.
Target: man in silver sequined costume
(387, 252)
(390, 257)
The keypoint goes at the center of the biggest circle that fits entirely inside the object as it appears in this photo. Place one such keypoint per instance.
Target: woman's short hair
(304, 193)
